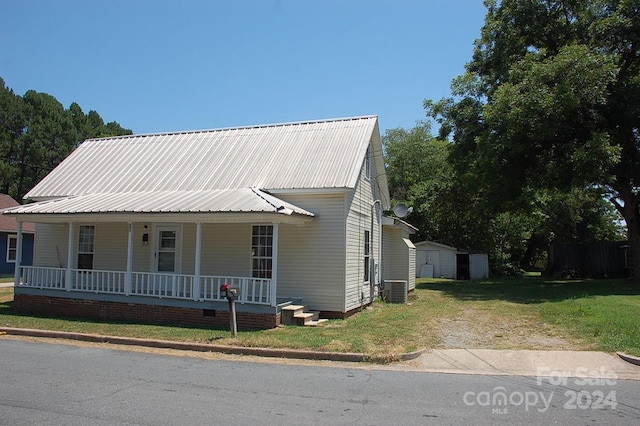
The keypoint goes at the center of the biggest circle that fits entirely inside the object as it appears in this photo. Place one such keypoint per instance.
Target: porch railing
(150, 284)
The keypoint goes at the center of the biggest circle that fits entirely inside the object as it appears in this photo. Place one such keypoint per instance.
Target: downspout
(375, 279)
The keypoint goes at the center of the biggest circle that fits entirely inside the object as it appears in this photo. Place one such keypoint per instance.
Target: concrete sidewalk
(586, 364)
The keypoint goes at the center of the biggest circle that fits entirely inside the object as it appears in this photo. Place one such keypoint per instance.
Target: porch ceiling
(215, 205)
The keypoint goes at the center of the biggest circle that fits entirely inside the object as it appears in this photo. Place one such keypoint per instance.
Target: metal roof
(243, 200)
(303, 155)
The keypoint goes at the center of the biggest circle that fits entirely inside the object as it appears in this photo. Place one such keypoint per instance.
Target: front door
(168, 244)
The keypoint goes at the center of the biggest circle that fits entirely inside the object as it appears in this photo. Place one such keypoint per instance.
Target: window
(367, 255)
(262, 251)
(12, 248)
(86, 239)
(367, 163)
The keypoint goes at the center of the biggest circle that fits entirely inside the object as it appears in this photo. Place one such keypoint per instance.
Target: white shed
(435, 260)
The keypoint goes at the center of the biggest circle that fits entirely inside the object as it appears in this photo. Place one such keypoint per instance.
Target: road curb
(629, 358)
(202, 347)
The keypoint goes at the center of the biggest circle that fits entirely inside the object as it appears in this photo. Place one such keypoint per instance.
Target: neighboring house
(150, 226)
(434, 260)
(9, 239)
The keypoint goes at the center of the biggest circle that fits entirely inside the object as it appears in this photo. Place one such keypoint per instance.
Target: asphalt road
(60, 384)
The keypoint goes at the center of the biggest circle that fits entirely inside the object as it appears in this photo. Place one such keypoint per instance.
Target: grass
(600, 314)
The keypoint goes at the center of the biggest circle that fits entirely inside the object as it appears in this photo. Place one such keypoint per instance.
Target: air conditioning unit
(395, 291)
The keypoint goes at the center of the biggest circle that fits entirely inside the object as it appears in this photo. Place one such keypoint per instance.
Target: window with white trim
(261, 251)
(86, 241)
(367, 256)
(12, 248)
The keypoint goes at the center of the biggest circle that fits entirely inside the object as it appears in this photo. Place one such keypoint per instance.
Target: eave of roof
(243, 200)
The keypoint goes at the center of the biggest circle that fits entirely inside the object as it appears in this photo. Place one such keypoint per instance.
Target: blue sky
(171, 65)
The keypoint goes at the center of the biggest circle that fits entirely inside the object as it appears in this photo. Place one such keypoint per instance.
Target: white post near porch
(196, 278)
(68, 283)
(127, 277)
(274, 266)
(16, 279)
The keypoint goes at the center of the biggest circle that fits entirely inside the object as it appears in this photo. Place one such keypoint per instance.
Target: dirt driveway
(474, 328)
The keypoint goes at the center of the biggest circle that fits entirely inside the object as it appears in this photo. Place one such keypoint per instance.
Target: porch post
(274, 266)
(196, 278)
(127, 277)
(16, 279)
(69, 279)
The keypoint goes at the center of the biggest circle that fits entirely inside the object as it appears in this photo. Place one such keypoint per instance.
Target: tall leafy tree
(446, 208)
(13, 121)
(37, 133)
(49, 137)
(551, 101)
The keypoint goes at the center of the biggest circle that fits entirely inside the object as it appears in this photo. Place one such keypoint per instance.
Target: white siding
(448, 264)
(361, 207)
(479, 266)
(411, 267)
(141, 251)
(226, 249)
(311, 261)
(443, 259)
(110, 248)
(399, 257)
(51, 245)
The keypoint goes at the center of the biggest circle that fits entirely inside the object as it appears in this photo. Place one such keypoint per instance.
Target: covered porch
(164, 258)
(199, 288)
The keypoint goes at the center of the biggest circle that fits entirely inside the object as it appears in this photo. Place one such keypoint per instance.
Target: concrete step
(303, 318)
(289, 313)
(317, 323)
(295, 315)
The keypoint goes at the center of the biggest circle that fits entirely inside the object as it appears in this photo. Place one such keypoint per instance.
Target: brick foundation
(152, 314)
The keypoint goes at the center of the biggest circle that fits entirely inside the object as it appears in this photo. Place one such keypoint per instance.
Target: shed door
(433, 258)
(168, 244)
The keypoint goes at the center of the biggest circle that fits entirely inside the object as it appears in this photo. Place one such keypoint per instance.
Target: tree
(92, 125)
(447, 209)
(418, 173)
(12, 124)
(551, 102)
(37, 133)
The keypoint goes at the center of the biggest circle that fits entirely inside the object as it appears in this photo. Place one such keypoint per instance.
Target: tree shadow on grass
(529, 290)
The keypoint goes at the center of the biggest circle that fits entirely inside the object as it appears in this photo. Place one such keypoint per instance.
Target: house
(434, 260)
(151, 226)
(9, 239)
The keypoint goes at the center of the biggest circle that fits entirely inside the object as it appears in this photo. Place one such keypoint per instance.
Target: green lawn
(598, 314)
(603, 313)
